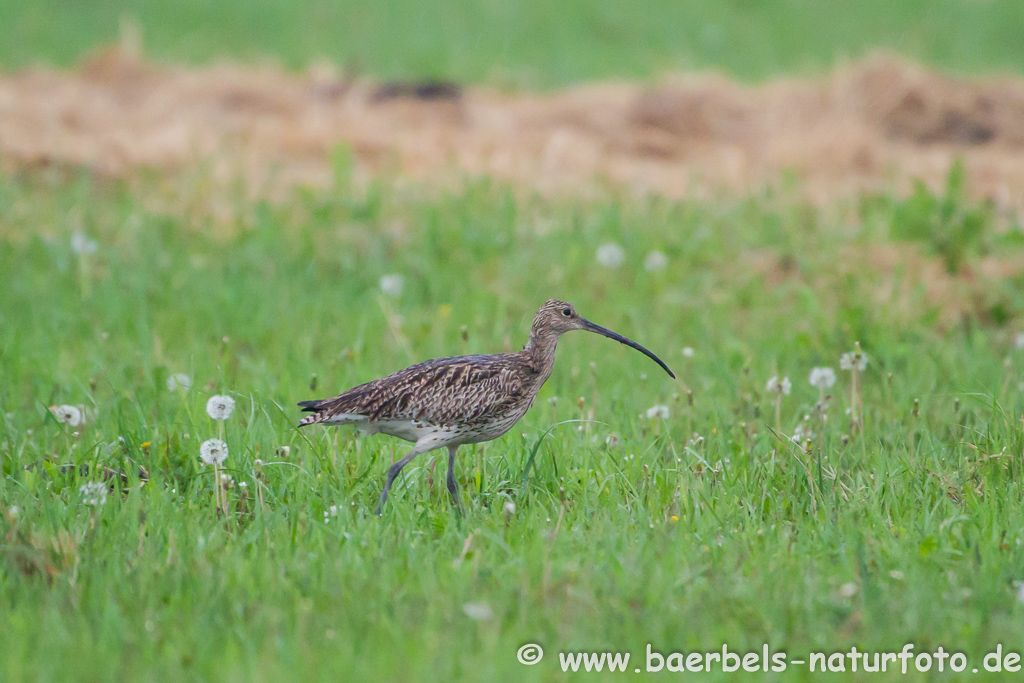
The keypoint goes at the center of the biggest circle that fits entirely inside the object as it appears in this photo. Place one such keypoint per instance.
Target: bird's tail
(311, 407)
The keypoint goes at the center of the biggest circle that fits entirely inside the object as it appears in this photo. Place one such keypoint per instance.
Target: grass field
(532, 43)
(626, 530)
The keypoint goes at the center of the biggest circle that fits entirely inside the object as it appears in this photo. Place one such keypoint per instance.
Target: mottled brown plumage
(464, 399)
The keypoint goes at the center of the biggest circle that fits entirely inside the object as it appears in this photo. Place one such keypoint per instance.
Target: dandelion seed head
(213, 452)
(822, 378)
(179, 380)
(67, 415)
(612, 440)
(610, 255)
(510, 507)
(896, 574)
(1018, 341)
(801, 433)
(853, 359)
(392, 284)
(688, 352)
(848, 590)
(220, 407)
(654, 261)
(81, 244)
(657, 413)
(779, 386)
(478, 611)
(93, 493)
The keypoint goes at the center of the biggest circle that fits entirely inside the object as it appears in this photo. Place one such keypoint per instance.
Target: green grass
(661, 541)
(534, 43)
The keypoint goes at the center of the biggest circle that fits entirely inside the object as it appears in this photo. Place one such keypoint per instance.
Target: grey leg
(453, 487)
(393, 472)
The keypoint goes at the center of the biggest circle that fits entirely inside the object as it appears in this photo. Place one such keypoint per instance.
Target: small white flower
(213, 451)
(67, 415)
(695, 440)
(13, 510)
(243, 484)
(610, 255)
(655, 260)
(822, 378)
(94, 493)
(179, 380)
(848, 590)
(80, 244)
(331, 512)
(896, 574)
(220, 407)
(779, 386)
(1018, 341)
(510, 507)
(392, 284)
(478, 611)
(657, 412)
(688, 352)
(283, 451)
(612, 440)
(852, 359)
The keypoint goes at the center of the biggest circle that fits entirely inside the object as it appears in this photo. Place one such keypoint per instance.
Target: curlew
(448, 402)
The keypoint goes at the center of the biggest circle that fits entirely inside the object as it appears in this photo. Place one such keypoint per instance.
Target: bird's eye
(566, 312)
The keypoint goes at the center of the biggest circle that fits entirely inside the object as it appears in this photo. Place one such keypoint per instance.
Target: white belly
(417, 431)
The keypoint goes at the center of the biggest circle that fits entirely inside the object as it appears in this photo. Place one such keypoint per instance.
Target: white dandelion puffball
(688, 352)
(179, 380)
(822, 378)
(610, 255)
(213, 451)
(478, 611)
(220, 407)
(392, 284)
(801, 434)
(510, 507)
(655, 261)
(80, 244)
(67, 415)
(657, 413)
(1018, 341)
(779, 386)
(851, 360)
(94, 493)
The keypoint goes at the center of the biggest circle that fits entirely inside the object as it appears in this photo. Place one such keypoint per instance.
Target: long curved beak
(605, 332)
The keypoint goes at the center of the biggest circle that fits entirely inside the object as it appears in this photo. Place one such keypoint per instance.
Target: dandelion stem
(216, 485)
(778, 412)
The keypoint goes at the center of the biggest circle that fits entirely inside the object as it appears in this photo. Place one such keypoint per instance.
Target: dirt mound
(875, 124)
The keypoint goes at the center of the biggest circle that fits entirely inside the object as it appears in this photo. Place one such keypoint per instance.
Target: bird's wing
(440, 391)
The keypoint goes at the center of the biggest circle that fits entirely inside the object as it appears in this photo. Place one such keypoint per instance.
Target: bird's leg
(453, 486)
(393, 472)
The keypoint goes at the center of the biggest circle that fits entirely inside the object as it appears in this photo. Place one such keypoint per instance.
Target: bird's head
(557, 317)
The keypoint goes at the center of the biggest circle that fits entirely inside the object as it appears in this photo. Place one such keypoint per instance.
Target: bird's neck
(541, 350)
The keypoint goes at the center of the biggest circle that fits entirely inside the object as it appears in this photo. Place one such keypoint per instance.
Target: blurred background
(678, 99)
(530, 44)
